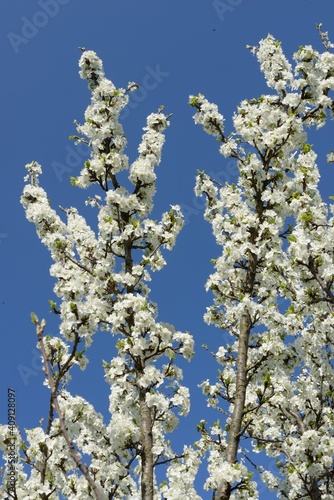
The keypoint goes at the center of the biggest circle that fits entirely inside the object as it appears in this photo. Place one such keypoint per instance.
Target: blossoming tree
(273, 298)
(101, 282)
(273, 285)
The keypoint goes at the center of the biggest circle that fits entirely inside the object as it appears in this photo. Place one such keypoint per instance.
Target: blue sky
(171, 48)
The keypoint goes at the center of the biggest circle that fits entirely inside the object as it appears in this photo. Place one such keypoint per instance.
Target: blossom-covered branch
(273, 285)
(101, 283)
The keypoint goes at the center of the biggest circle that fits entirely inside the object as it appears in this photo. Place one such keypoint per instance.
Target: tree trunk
(147, 444)
(315, 492)
(239, 402)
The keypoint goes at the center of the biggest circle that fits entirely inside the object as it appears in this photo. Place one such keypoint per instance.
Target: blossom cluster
(101, 284)
(276, 270)
(273, 298)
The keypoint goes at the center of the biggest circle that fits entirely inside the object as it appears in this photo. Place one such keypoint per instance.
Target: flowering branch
(40, 325)
(277, 269)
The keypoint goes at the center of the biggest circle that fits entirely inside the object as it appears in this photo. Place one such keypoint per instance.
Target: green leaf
(120, 344)
(73, 307)
(34, 318)
(306, 217)
(217, 424)
(290, 310)
(23, 446)
(194, 100)
(306, 148)
(267, 379)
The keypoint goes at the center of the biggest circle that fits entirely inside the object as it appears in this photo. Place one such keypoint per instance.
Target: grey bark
(147, 445)
(239, 402)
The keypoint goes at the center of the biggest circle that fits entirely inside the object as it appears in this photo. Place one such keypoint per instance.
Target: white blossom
(101, 274)
(275, 268)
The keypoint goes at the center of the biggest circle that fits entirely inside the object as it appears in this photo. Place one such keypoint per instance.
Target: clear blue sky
(187, 47)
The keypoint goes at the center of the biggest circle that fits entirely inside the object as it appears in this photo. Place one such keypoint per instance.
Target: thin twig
(74, 454)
